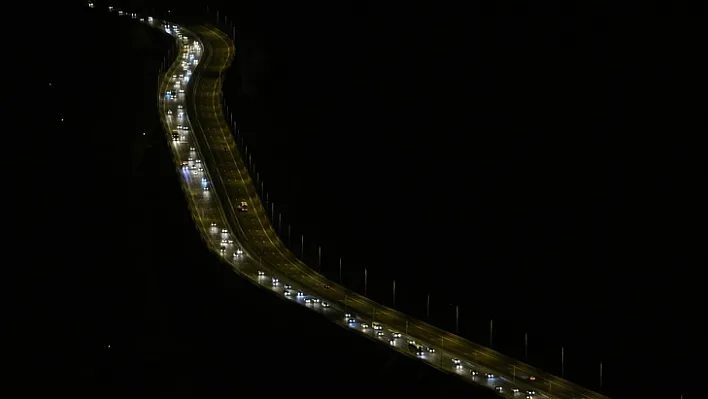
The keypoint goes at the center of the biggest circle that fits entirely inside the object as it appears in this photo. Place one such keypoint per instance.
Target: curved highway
(234, 223)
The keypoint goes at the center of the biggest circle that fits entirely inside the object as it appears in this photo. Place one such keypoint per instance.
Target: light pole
(491, 332)
(340, 270)
(272, 211)
(319, 258)
(394, 294)
(457, 319)
(302, 246)
(562, 361)
(601, 378)
(427, 307)
(280, 221)
(288, 234)
(526, 344)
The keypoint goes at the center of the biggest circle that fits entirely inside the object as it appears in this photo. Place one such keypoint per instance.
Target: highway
(234, 223)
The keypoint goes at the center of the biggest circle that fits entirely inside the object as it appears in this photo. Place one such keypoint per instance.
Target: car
(223, 231)
(515, 390)
(300, 293)
(243, 207)
(180, 106)
(396, 335)
(380, 333)
(239, 251)
(489, 375)
(169, 112)
(351, 321)
(206, 188)
(498, 388)
(325, 305)
(186, 164)
(222, 249)
(474, 372)
(364, 325)
(530, 392)
(286, 293)
(308, 300)
(431, 350)
(288, 286)
(275, 281)
(181, 90)
(391, 342)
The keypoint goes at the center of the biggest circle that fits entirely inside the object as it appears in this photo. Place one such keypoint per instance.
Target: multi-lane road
(236, 224)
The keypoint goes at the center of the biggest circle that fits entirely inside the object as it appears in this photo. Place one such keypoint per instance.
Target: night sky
(529, 164)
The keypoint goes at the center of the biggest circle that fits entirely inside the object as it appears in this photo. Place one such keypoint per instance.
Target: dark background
(526, 163)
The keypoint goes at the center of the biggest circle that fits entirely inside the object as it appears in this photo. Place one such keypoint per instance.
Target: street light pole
(427, 307)
(289, 234)
(562, 361)
(280, 221)
(340, 270)
(526, 344)
(394, 293)
(457, 319)
(491, 332)
(601, 378)
(319, 258)
(302, 246)
(366, 282)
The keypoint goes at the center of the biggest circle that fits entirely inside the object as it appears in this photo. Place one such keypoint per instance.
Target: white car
(169, 112)
(180, 106)
(261, 273)
(181, 90)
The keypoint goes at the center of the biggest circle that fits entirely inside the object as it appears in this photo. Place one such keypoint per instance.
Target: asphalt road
(207, 157)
